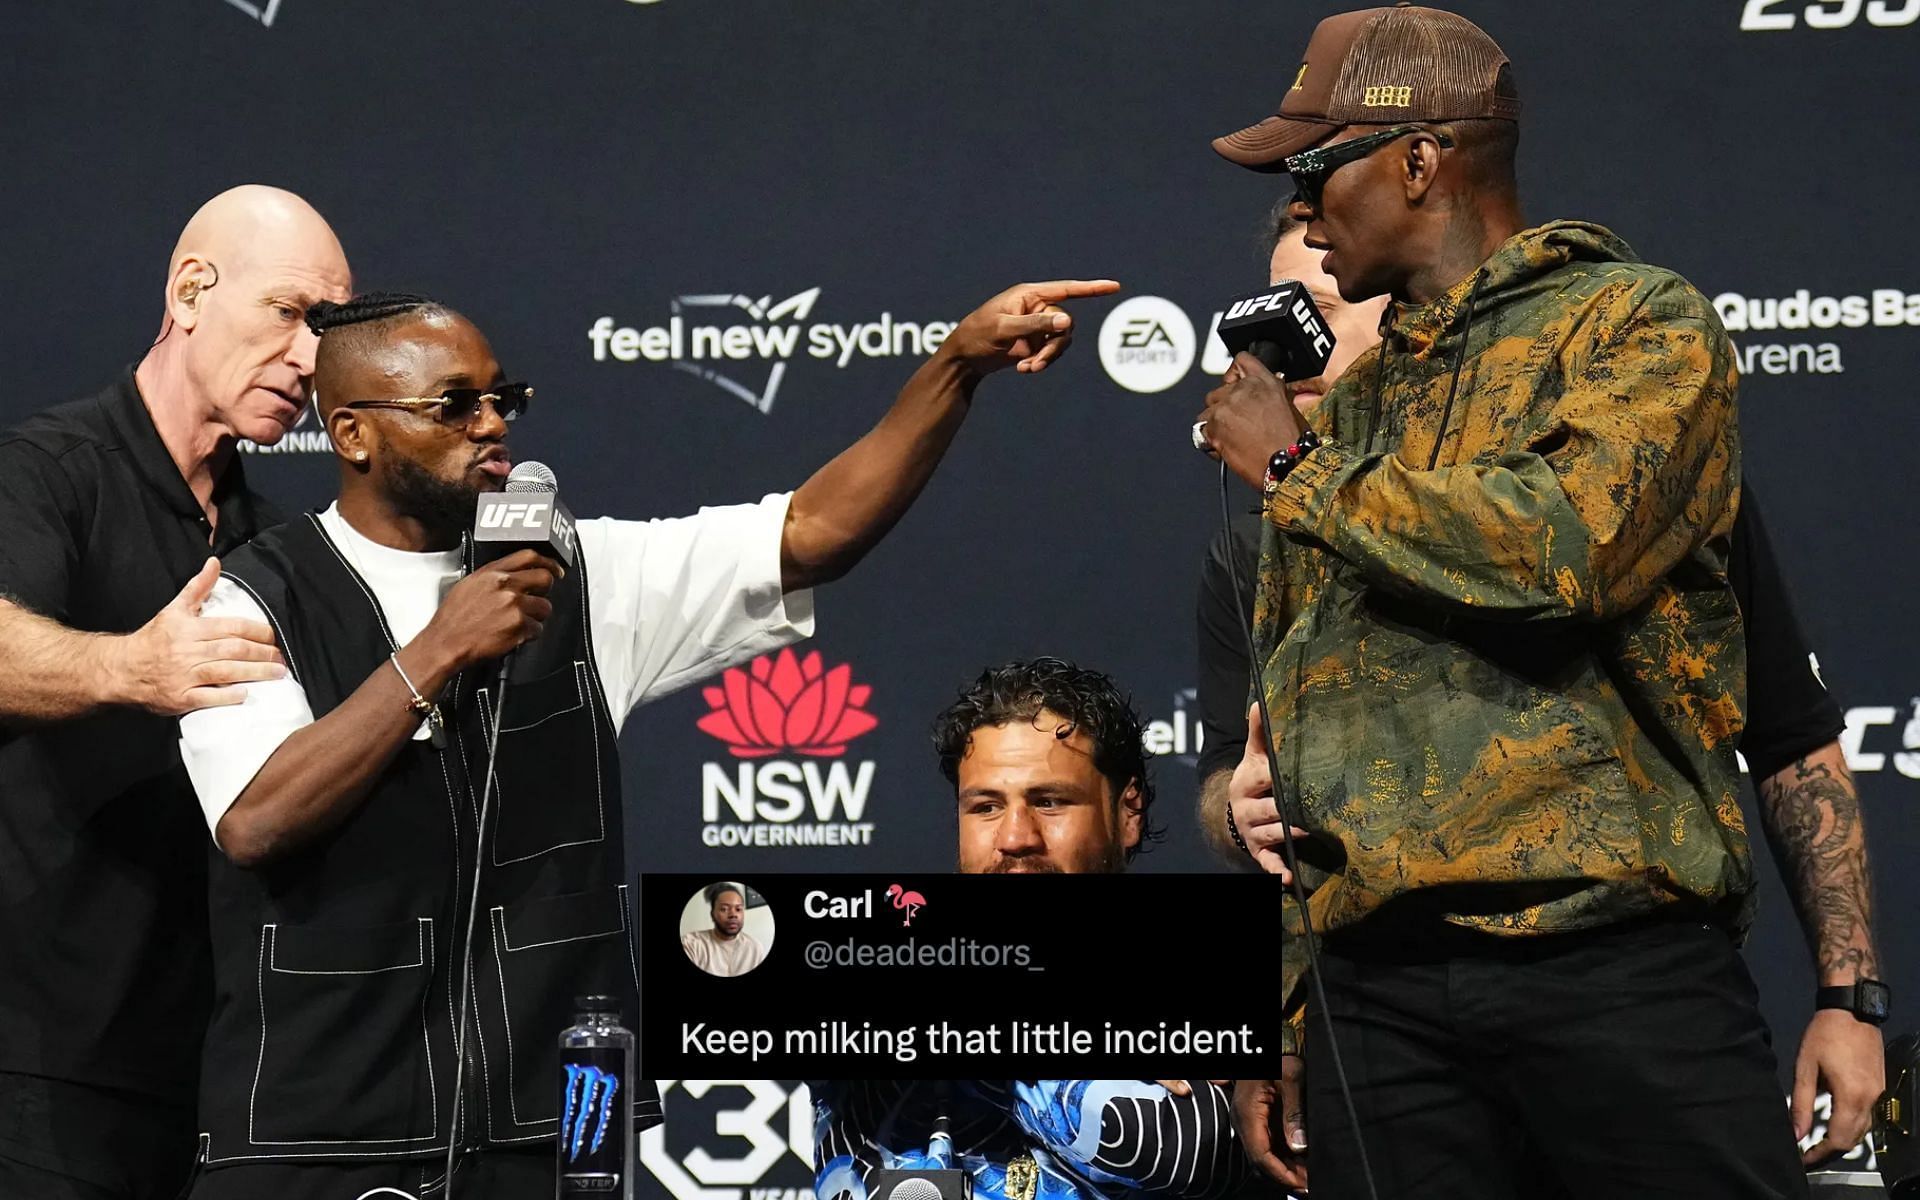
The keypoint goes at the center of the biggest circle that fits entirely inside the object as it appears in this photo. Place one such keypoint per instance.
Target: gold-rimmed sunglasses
(457, 406)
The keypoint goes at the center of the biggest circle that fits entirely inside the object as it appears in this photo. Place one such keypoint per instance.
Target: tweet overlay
(950, 976)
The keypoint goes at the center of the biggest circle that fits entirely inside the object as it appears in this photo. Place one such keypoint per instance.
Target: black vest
(334, 1020)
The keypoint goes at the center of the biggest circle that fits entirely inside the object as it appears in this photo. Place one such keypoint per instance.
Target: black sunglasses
(1310, 168)
(457, 406)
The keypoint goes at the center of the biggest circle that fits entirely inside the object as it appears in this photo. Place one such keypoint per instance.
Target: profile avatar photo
(726, 929)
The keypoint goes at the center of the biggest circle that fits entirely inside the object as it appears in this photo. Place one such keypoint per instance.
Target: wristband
(1281, 464)
(422, 707)
(1233, 831)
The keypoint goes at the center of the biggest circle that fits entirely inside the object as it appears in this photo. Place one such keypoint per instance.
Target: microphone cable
(1289, 854)
(466, 942)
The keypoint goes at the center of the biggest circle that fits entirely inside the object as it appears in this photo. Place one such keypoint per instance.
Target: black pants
(1630, 1062)
(66, 1141)
(494, 1175)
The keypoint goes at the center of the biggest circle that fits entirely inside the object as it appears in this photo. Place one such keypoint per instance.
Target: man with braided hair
(113, 506)
(344, 799)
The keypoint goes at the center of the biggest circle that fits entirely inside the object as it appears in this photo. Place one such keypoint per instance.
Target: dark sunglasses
(1310, 168)
(457, 406)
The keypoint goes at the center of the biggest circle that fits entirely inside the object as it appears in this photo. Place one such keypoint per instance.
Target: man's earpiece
(190, 289)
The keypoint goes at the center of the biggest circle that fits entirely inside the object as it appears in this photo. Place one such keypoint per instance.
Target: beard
(444, 508)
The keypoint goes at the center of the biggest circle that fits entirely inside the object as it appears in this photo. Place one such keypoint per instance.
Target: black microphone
(1282, 327)
(528, 515)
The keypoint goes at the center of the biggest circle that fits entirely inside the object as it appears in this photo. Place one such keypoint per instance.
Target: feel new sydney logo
(743, 344)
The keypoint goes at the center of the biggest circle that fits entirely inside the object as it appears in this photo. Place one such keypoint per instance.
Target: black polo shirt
(104, 968)
(1789, 713)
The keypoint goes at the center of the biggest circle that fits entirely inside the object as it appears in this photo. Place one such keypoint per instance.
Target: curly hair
(714, 891)
(1091, 703)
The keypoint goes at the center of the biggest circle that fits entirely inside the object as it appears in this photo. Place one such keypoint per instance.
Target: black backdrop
(542, 166)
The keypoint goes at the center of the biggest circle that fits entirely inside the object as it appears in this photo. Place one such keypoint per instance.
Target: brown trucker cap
(1381, 66)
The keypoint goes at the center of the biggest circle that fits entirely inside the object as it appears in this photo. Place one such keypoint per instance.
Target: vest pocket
(345, 1038)
(545, 953)
(544, 797)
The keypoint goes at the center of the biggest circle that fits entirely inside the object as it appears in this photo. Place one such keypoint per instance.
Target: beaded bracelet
(1233, 831)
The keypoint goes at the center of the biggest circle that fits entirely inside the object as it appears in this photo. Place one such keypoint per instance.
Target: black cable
(1459, 360)
(466, 944)
(1291, 858)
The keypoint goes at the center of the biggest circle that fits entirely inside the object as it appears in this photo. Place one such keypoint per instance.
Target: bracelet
(420, 706)
(1233, 831)
(1281, 464)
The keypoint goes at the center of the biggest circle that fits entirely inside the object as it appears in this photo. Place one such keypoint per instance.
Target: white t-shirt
(723, 957)
(671, 601)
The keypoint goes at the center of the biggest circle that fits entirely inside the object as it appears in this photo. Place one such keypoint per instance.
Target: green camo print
(1513, 683)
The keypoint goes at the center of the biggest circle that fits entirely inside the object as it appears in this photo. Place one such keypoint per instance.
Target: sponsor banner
(308, 436)
(1883, 737)
(1177, 736)
(1147, 344)
(743, 344)
(1762, 16)
(1754, 318)
(731, 1139)
(788, 722)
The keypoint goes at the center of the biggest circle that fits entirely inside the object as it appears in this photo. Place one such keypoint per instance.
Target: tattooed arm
(1814, 827)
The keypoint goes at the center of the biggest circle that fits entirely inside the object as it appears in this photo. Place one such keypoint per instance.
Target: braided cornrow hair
(374, 306)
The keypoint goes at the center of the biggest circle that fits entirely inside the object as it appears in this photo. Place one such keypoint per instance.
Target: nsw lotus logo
(787, 779)
(788, 704)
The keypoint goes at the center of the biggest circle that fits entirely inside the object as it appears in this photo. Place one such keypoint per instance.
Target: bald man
(111, 509)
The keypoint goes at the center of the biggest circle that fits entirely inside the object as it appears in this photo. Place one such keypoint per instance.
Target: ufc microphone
(527, 516)
(1282, 328)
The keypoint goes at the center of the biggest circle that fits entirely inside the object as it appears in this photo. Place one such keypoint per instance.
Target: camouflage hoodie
(1504, 664)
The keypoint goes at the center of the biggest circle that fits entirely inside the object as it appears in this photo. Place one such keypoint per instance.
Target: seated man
(346, 799)
(1050, 768)
(727, 949)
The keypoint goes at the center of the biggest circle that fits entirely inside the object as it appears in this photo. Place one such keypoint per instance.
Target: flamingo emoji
(906, 901)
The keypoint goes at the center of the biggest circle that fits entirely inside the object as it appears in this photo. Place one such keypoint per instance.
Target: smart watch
(1866, 999)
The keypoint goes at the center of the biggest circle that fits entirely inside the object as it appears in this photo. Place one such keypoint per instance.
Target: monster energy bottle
(595, 1140)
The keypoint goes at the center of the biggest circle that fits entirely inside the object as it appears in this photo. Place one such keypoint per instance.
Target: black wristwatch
(1866, 999)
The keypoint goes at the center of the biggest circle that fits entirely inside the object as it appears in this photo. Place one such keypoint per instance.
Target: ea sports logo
(1147, 344)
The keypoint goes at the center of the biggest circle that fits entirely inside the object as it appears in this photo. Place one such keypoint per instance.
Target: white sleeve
(225, 747)
(675, 601)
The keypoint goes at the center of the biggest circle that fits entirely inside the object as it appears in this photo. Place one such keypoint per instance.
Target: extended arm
(175, 663)
(847, 506)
